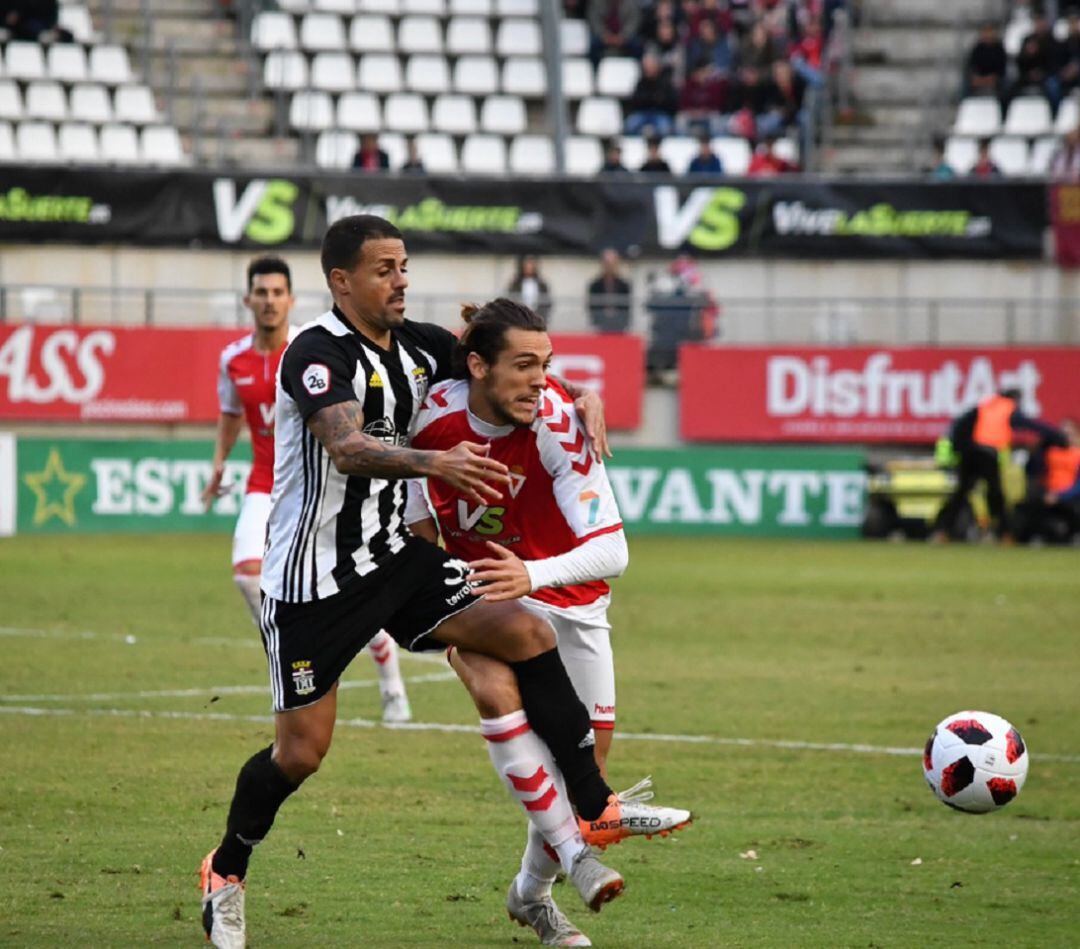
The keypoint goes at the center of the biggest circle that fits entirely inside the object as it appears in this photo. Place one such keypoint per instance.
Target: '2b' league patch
(317, 379)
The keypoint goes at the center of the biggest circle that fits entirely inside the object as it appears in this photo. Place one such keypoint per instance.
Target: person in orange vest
(979, 436)
(1061, 478)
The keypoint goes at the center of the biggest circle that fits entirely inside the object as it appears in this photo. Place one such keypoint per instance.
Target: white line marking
(211, 690)
(474, 730)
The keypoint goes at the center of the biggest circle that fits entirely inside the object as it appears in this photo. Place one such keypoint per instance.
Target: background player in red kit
(559, 535)
(246, 379)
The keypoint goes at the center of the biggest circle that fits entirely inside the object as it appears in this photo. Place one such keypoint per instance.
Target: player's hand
(467, 468)
(502, 577)
(590, 409)
(214, 488)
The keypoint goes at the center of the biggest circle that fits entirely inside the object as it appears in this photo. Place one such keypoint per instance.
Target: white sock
(538, 868)
(528, 770)
(248, 585)
(384, 652)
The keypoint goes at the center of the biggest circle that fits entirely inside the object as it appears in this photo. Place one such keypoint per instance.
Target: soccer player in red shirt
(551, 540)
(246, 379)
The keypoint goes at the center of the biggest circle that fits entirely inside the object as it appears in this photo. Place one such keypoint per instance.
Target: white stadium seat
(503, 115)
(455, 114)
(110, 65)
(532, 155)
(599, 116)
(517, 8)
(476, 75)
(299, 7)
(1011, 155)
(359, 112)
(574, 38)
(46, 100)
(379, 72)
(78, 143)
(787, 149)
(7, 143)
(335, 149)
(311, 111)
(577, 78)
(387, 7)
(427, 73)
(90, 103)
(75, 18)
(135, 104)
(285, 69)
(678, 151)
(633, 151)
(518, 38)
(419, 34)
(24, 61)
(1042, 152)
(437, 153)
(583, 154)
(333, 72)
(961, 153)
(161, 145)
(272, 29)
(371, 33)
(11, 101)
(322, 33)
(1029, 116)
(1068, 115)
(66, 62)
(617, 76)
(119, 145)
(405, 112)
(978, 117)
(393, 143)
(524, 76)
(734, 154)
(35, 142)
(470, 7)
(344, 7)
(426, 7)
(484, 155)
(468, 36)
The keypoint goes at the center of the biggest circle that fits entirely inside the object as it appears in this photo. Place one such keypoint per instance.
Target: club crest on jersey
(420, 380)
(375, 381)
(316, 379)
(303, 677)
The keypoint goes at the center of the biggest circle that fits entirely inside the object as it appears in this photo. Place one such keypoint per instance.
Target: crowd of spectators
(32, 20)
(716, 67)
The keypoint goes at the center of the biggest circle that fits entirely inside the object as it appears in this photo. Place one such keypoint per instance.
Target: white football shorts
(584, 638)
(249, 538)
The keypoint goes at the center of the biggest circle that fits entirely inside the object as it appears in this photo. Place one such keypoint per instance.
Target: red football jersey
(246, 380)
(559, 497)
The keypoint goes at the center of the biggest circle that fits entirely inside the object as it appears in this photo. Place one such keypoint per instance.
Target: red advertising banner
(861, 395)
(148, 374)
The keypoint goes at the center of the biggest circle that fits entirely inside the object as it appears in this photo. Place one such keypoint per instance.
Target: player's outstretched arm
(228, 431)
(466, 467)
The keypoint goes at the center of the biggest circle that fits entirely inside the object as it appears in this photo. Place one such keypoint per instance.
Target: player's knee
(534, 634)
(491, 684)
(299, 760)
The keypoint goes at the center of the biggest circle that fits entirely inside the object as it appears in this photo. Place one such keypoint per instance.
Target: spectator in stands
(680, 311)
(1037, 65)
(758, 50)
(987, 63)
(369, 157)
(747, 100)
(710, 47)
(29, 19)
(609, 296)
(654, 163)
(940, 169)
(654, 101)
(782, 103)
(706, 161)
(1069, 56)
(613, 158)
(702, 102)
(413, 164)
(984, 166)
(667, 48)
(806, 56)
(663, 11)
(712, 11)
(529, 287)
(614, 27)
(765, 163)
(1065, 162)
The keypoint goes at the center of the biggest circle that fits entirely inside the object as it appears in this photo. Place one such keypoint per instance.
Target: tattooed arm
(466, 467)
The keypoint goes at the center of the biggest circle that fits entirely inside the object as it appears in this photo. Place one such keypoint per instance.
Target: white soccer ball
(975, 762)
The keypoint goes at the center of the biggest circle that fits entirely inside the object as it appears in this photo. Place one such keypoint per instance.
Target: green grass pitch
(133, 689)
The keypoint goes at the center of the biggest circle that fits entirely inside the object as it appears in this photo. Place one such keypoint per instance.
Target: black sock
(557, 715)
(261, 788)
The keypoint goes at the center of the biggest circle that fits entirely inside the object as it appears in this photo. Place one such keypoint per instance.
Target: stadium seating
(454, 114)
(7, 143)
(24, 61)
(1029, 116)
(598, 115)
(359, 112)
(427, 74)
(371, 33)
(405, 112)
(66, 62)
(484, 155)
(978, 117)
(36, 142)
(285, 69)
(335, 149)
(437, 153)
(333, 72)
(532, 155)
(583, 155)
(78, 143)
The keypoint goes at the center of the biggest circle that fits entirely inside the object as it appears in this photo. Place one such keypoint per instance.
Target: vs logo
(484, 520)
(263, 213)
(709, 220)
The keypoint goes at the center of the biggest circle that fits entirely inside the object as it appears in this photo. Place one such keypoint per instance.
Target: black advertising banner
(788, 217)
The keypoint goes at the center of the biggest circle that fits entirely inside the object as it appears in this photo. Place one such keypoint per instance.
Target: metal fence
(837, 321)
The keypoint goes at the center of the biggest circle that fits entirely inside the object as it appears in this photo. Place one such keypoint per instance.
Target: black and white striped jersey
(326, 529)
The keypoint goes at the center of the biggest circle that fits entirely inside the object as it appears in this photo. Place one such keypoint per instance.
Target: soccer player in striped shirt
(247, 370)
(340, 563)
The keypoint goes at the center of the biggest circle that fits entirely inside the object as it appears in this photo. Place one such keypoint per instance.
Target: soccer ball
(975, 762)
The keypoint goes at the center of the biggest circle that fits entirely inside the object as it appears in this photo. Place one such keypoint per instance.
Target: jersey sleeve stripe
(610, 529)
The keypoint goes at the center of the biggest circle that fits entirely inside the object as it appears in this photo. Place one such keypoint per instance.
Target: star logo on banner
(54, 488)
